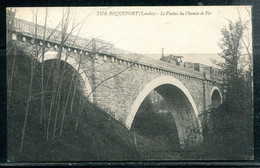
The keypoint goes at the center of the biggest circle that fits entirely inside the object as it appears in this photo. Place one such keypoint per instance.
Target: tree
(236, 54)
(234, 117)
(37, 52)
(53, 102)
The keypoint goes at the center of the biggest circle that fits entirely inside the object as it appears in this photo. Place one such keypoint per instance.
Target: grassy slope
(98, 137)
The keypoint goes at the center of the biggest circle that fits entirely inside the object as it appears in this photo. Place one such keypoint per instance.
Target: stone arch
(87, 87)
(181, 119)
(215, 97)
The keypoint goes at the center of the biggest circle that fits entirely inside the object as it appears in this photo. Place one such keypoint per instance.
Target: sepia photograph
(129, 84)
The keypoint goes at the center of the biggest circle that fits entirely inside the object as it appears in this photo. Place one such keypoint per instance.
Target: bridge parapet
(51, 35)
(54, 36)
(80, 45)
(162, 66)
(214, 78)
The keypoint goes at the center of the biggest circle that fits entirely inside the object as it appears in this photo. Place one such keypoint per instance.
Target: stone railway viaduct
(118, 83)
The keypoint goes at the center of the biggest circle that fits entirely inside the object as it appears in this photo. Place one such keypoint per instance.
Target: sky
(192, 31)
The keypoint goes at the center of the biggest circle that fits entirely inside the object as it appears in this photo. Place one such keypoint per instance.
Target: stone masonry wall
(116, 83)
(118, 94)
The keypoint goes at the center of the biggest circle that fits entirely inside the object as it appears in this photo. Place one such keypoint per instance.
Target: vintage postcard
(129, 84)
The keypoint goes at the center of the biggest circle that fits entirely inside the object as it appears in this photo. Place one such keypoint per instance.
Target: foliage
(229, 128)
(46, 102)
(98, 137)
